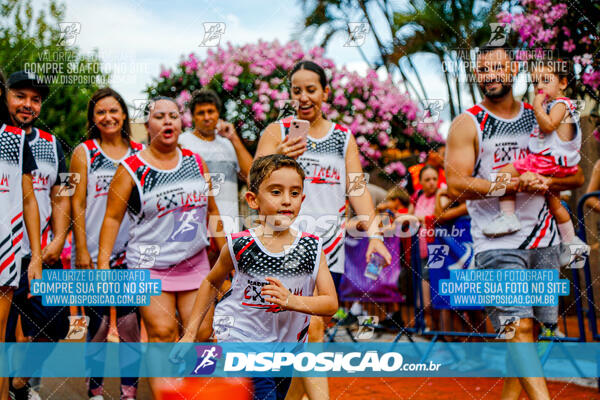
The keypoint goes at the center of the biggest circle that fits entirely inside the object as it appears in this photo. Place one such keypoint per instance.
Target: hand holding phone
(298, 129)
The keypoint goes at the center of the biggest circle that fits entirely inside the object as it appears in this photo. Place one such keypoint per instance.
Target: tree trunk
(450, 102)
(419, 81)
(458, 93)
(473, 95)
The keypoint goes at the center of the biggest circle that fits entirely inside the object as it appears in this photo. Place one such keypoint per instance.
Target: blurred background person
(219, 145)
(424, 209)
(435, 158)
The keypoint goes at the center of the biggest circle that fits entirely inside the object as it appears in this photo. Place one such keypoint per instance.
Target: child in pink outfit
(553, 152)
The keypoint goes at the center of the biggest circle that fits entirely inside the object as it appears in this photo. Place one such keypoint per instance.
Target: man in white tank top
(482, 140)
(223, 151)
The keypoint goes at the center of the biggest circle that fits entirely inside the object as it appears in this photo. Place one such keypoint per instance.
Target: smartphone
(298, 128)
(374, 266)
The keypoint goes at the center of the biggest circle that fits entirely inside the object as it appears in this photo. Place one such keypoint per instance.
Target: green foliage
(443, 29)
(31, 40)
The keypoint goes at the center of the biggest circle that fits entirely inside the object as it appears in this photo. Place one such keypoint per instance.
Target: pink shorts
(543, 165)
(187, 275)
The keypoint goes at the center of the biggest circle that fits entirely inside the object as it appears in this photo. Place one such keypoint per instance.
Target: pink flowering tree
(570, 28)
(252, 83)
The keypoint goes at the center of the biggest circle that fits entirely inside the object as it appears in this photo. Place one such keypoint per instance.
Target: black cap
(26, 79)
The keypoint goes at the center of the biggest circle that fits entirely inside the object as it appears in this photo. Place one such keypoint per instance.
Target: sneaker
(340, 314)
(24, 393)
(558, 333)
(33, 395)
(574, 254)
(503, 224)
(349, 320)
(393, 322)
(549, 333)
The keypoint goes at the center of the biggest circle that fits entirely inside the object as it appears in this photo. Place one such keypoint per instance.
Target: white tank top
(172, 212)
(243, 315)
(11, 203)
(100, 171)
(323, 211)
(43, 147)
(563, 153)
(501, 142)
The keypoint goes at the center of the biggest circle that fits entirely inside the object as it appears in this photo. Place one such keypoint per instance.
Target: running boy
(276, 271)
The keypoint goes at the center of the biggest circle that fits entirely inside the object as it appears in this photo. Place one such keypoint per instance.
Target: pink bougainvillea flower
(254, 75)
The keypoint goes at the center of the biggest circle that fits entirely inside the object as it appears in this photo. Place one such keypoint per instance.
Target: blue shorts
(40, 322)
(271, 388)
(540, 258)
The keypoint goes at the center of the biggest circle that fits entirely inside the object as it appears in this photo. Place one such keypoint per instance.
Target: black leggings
(128, 327)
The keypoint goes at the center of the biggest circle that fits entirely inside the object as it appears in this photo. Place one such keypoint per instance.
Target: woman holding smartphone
(329, 156)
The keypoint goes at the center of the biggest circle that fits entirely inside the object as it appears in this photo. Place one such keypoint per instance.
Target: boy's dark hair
(264, 166)
(92, 130)
(204, 96)
(150, 104)
(398, 193)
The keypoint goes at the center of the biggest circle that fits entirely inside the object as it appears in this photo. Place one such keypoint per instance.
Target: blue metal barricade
(591, 311)
(417, 325)
(441, 334)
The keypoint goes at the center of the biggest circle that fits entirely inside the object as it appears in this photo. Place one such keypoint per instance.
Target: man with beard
(488, 136)
(40, 323)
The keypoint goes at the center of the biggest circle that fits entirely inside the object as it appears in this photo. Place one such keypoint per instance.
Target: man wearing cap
(40, 323)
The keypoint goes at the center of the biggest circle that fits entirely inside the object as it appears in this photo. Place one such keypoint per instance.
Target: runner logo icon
(437, 254)
(207, 359)
(185, 226)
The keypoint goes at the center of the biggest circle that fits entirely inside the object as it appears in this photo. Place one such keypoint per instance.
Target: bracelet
(287, 301)
(379, 237)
